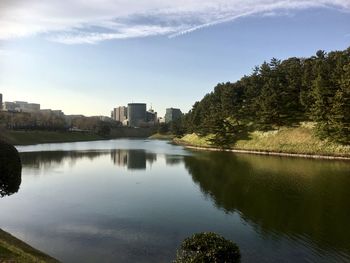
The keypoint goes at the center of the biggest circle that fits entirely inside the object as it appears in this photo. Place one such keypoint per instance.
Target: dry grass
(300, 140)
(159, 136)
(15, 251)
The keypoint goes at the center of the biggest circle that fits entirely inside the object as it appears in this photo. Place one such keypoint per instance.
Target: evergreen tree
(279, 93)
(340, 112)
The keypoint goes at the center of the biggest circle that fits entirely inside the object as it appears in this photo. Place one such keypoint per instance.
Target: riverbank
(14, 250)
(38, 137)
(296, 141)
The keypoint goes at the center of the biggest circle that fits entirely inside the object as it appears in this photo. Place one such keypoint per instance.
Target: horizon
(95, 58)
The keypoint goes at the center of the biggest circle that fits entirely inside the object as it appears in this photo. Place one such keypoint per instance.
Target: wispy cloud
(92, 21)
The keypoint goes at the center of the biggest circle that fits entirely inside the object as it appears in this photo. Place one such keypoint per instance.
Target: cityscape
(134, 115)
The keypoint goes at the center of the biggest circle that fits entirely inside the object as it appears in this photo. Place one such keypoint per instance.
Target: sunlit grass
(301, 140)
(14, 250)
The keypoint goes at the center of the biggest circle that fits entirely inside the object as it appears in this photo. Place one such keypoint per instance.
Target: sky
(89, 56)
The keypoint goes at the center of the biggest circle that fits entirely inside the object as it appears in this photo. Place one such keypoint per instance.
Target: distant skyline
(87, 57)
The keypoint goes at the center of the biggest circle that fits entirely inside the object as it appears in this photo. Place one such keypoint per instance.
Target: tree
(206, 248)
(340, 111)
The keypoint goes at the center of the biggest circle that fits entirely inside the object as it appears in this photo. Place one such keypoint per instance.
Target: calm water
(136, 200)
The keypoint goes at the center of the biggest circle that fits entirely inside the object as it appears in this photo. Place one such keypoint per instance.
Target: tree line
(279, 93)
(53, 122)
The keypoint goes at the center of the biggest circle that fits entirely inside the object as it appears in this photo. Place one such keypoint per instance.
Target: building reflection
(133, 159)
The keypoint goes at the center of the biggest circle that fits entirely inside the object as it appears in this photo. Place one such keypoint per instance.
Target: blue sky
(84, 59)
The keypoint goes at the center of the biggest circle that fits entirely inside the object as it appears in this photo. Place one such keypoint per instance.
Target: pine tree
(340, 112)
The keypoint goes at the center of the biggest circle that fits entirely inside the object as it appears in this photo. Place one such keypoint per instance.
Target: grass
(36, 137)
(159, 136)
(15, 251)
(298, 140)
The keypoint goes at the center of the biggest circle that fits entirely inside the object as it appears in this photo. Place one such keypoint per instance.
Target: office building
(9, 106)
(21, 106)
(120, 114)
(136, 114)
(172, 114)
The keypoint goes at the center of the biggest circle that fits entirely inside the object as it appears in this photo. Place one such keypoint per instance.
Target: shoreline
(15, 250)
(23, 138)
(257, 152)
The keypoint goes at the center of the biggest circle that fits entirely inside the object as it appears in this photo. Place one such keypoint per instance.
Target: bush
(10, 169)
(207, 247)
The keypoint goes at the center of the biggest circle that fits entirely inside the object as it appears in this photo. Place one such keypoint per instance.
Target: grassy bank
(159, 136)
(296, 140)
(14, 250)
(36, 137)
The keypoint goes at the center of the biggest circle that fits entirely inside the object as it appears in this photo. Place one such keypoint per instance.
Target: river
(136, 200)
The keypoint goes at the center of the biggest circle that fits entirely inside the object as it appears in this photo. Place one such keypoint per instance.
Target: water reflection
(10, 170)
(50, 160)
(300, 199)
(133, 159)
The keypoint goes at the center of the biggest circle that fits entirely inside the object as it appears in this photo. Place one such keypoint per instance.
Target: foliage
(104, 130)
(163, 128)
(276, 94)
(10, 169)
(207, 247)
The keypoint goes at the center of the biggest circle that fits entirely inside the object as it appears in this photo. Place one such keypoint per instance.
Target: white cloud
(91, 21)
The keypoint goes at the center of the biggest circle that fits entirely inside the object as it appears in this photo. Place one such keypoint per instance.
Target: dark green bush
(207, 248)
(10, 169)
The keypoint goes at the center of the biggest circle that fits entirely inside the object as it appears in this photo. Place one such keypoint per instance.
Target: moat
(136, 200)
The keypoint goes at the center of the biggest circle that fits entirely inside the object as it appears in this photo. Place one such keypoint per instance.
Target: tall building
(172, 114)
(136, 114)
(0, 101)
(121, 114)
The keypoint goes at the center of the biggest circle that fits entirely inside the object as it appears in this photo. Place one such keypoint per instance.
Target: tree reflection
(51, 159)
(10, 170)
(296, 198)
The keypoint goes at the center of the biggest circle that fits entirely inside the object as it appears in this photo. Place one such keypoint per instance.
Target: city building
(57, 113)
(9, 106)
(120, 114)
(137, 114)
(172, 114)
(21, 106)
(151, 117)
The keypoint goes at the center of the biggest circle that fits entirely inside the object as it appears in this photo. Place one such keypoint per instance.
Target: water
(136, 200)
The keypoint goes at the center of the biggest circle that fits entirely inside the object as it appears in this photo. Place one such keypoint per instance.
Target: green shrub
(10, 169)
(207, 248)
